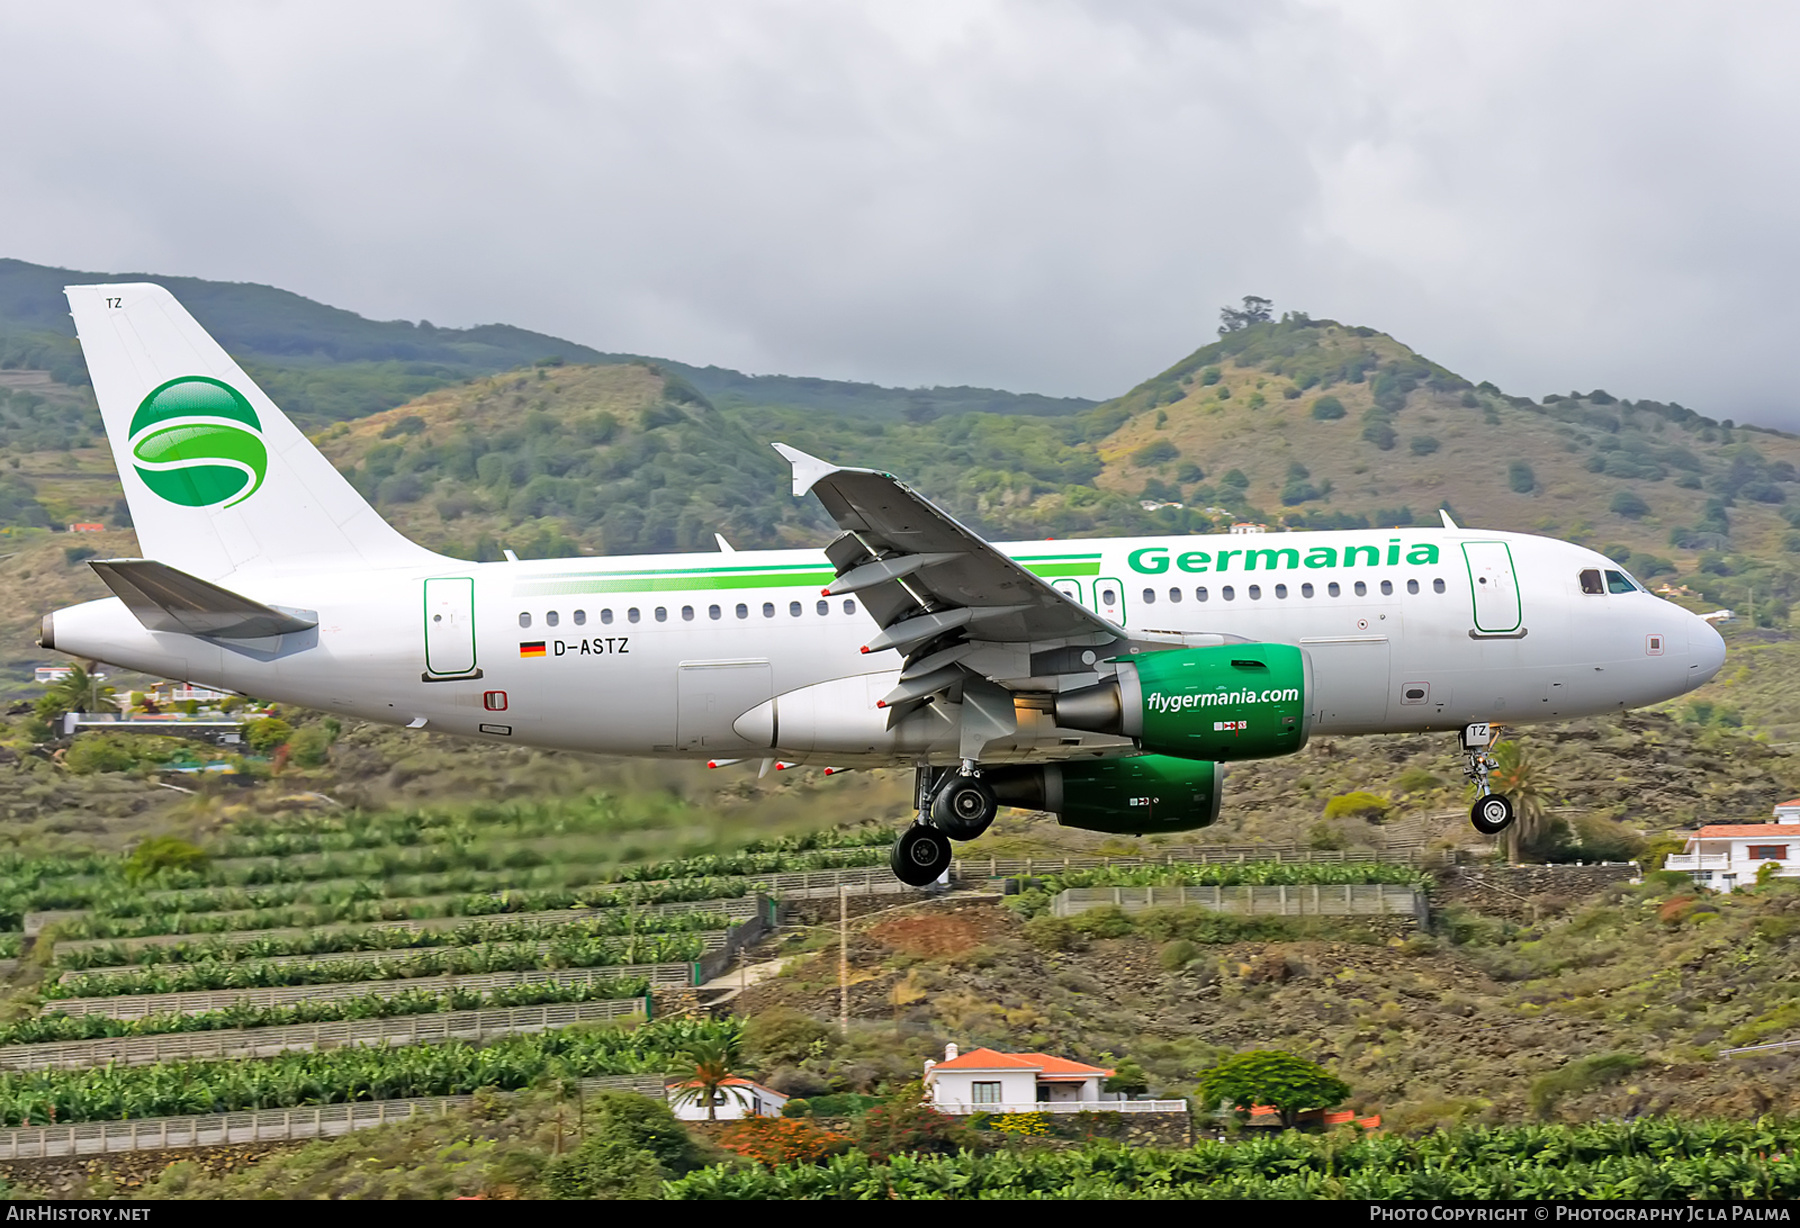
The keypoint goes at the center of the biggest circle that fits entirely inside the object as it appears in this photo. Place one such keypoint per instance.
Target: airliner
(1106, 681)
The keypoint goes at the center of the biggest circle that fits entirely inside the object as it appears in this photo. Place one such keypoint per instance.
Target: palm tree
(714, 1061)
(1521, 777)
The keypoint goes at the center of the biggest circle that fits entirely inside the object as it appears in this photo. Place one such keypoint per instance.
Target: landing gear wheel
(1492, 814)
(964, 807)
(920, 855)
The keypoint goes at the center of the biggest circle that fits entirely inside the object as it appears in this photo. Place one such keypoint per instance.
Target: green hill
(326, 364)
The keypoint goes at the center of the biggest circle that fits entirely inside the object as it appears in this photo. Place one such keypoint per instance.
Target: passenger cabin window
(1175, 596)
(1281, 591)
(1256, 592)
(1619, 582)
(1590, 581)
(1109, 597)
(768, 609)
(1229, 593)
(1387, 588)
(581, 618)
(849, 607)
(550, 619)
(1334, 589)
(1412, 586)
(743, 611)
(1437, 586)
(1149, 596)
(793, 609)
(713, 612)
(1362, 590)
(1200, 594)
(1306, 590)
(524, 620)
(824, 608)
(606, 617)
(662, 613)
(632, 615)
(687, 613)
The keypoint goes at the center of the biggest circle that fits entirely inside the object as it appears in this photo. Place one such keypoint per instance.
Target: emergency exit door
(450, 628)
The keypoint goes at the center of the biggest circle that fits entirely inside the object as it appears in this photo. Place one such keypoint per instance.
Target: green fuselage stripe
(785, 575)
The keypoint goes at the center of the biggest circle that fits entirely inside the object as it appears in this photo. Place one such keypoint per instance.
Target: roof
(1785, 805)
(1740, 831)
(1039, 1063)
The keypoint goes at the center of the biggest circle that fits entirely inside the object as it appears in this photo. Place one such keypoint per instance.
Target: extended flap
(164, 599)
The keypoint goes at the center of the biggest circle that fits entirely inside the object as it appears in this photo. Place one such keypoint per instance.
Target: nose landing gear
(1492, 812)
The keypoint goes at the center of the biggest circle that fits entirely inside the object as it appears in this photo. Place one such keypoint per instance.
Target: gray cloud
(1048, 197)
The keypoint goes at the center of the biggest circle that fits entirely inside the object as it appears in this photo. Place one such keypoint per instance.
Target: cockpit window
(1619, 582)
(1590, 581)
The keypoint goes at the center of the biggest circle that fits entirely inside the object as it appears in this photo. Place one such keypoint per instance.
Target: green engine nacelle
(1138, 796)
(1230, 701)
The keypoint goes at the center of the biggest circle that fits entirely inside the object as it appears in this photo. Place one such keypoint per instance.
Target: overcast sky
(1049, 197)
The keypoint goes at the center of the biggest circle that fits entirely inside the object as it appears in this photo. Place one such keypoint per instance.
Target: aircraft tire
(963, 807)
(1492, 814)
(920, 855)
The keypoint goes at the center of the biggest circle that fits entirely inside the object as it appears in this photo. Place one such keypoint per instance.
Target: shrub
(1157, 452)
(783, 1036)
(309, 746)
(1424, 445)
(905, 1125)
(1237, 479)
(633, 1144)
(1328, 409)
(266, 733)
(1521, 478)
(1627, 503)
(1359, 804)
(1381, 435)
(1049, 933)
(775, 1141)
(1210, 376)
(163, 853)
(1580, 1075)
(1178, 954)
(1107, 922)
(93, 752)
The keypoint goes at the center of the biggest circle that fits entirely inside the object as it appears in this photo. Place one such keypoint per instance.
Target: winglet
(1448, 523)
(807, 469)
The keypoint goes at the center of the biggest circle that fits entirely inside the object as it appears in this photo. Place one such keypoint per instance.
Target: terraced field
(350, 958)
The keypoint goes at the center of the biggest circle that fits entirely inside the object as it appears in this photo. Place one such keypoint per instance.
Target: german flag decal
(533, 649)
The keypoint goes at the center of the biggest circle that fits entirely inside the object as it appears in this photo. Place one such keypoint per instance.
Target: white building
(1725, 856)
(984, 1081)
(736, 1100)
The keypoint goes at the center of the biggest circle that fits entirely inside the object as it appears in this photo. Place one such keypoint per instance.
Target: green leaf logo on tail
(198, 443)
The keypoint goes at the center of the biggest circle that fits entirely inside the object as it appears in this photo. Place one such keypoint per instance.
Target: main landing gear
(1492, 812)
(954, 804)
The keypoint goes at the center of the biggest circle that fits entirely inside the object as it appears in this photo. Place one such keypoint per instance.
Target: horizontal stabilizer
(164, 599)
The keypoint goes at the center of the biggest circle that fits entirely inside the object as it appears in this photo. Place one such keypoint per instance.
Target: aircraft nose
(1706, 651)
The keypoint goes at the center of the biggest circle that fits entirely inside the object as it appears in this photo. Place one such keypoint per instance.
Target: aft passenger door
(450, 628)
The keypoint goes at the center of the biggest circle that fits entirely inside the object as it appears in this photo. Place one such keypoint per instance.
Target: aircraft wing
(941, 596)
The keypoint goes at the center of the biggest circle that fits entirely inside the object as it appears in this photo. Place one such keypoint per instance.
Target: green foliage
(1328, 409)
(1288, 1083)
(309, 746)
(1423, 445)
(158, 854)
(1156, 452)
(1628, 503)
(101, 752)
(1177, 955)
(1521, 477)
(1128, 1078)
(632, 1144)
(904, 1124)
(266, 733)
(783, 1036)
(1655, 1159)
(1579, 1076)
(1358, 804)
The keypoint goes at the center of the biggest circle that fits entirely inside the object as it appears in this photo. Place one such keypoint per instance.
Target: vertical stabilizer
(217, 478)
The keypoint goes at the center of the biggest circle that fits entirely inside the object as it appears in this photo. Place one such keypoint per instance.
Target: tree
(1255, 311)
(1521, 777)
(714, 1067)
(1289, 1084)
(1128, 1079)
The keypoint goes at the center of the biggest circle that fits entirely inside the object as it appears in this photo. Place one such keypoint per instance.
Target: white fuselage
(1408, 630)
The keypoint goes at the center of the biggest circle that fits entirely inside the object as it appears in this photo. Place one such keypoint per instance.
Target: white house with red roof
(1725, 856)
(735, 1100)
(986, 1081)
